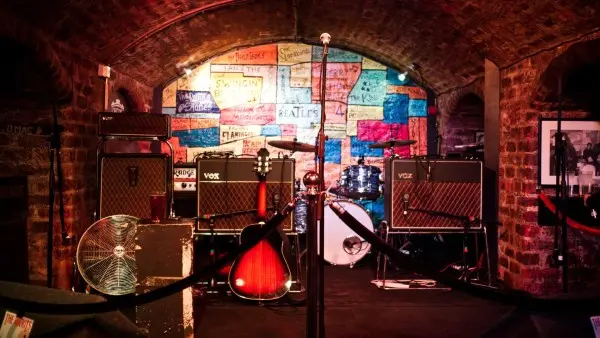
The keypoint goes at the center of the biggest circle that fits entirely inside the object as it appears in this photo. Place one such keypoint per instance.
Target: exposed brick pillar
(491, 157)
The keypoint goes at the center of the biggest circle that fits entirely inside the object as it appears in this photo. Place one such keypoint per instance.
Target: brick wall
(460, 116)
(25, 154)
(525, 248)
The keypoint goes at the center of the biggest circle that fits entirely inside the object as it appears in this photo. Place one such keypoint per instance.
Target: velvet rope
(24, 306)
(515, 298)
(574, 224)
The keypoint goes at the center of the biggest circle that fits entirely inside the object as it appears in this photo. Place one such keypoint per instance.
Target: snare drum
(361, 181)
(342, 245)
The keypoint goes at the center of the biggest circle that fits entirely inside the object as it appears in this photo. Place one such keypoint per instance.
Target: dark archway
(465, 122)
(578, 68)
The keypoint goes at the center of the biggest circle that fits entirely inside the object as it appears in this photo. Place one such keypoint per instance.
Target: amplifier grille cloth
(116, 194)
(456, 198)
(216, 198)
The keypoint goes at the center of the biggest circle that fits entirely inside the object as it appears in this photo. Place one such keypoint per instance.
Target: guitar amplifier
(126, 181)
(441, 195)
(134, 125)
(229, 185)
(184, 177)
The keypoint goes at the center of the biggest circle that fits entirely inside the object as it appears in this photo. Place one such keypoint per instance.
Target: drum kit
(359, 191)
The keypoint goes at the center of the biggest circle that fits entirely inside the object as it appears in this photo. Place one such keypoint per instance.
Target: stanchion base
(408, 284)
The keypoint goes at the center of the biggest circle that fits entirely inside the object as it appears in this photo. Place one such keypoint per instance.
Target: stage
(354, 308)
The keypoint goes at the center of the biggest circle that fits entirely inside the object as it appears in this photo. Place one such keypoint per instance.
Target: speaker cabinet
(126, 182)
(229, 185)
(441, 195)
(164, 255)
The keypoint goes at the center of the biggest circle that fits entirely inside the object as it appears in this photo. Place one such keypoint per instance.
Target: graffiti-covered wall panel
(242, 100)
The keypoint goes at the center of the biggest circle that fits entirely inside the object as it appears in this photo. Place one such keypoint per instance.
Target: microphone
(325, 38)
(405, 200)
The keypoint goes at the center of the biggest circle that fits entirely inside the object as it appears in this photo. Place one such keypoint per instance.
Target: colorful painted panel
(242, 100)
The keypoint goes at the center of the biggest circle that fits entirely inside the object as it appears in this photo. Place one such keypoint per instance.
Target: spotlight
(402, 76)
(187, 71)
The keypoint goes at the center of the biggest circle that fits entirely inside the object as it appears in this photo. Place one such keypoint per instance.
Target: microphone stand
(315, 319)
(54, 151)
(561, 251)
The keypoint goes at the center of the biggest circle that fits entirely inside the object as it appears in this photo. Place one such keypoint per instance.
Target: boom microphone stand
(315, 183)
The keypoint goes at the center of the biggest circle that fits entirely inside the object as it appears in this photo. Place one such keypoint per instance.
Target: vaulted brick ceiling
(153, 39)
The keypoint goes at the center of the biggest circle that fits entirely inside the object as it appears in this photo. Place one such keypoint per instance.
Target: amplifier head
(130, 124)
(227, 185)
(435, 191)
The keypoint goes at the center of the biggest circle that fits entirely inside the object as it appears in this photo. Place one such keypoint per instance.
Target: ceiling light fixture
(402, 76)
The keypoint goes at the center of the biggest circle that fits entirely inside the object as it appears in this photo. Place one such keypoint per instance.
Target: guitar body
(262, 273)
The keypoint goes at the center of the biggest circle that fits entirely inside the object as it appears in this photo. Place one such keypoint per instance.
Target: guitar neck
(261, 207)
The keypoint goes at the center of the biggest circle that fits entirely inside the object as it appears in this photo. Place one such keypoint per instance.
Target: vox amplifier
(433, 195)
(134, 125)
(126, 181)
(227, 188)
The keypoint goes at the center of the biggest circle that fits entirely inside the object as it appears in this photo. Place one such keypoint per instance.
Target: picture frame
(580, 134)
(479, 136)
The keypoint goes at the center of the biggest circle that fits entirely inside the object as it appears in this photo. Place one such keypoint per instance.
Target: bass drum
(342, 245)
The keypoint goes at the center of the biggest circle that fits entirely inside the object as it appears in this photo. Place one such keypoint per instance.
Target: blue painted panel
(333, 151)
(395, 108)
(334, 55)
(361, 148)
(189, 101)
(271, 130)
(206, 137)
(417, 108)
(370, 88)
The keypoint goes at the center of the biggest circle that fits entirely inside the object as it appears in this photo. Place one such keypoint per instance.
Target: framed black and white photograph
(479, 136)
(582, 138)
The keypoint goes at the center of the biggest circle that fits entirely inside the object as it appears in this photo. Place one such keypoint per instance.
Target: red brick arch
(47, 56)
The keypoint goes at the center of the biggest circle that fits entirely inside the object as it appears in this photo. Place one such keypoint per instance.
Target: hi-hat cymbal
(392, 143)
(293, 146)
(469, 146)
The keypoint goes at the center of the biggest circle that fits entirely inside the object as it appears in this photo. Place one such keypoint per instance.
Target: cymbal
(293, 146)
(469, 146)
(392, 143)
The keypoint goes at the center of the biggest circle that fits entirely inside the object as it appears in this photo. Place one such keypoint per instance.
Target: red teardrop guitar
(262, 273)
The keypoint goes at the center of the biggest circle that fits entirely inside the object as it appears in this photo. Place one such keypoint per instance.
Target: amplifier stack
(127, 179)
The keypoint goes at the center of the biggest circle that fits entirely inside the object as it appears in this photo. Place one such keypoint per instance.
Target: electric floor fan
(106, 255)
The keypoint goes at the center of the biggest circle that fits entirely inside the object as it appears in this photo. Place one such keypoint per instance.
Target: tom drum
(342, 245)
